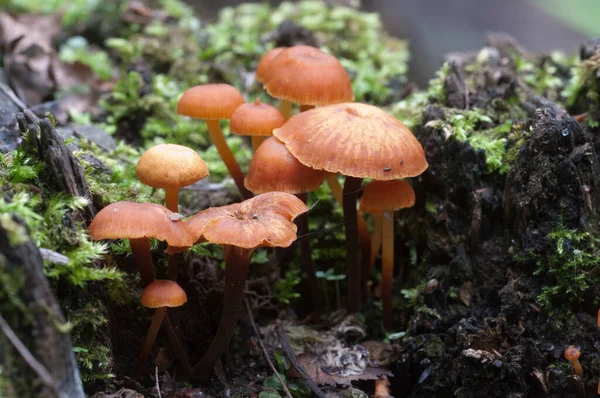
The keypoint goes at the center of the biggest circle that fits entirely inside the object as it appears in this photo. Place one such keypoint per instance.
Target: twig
(264, 350)
(156, 380)
(289, 353)
(28, 357)
(12, 96)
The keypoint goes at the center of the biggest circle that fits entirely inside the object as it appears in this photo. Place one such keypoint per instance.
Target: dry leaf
(312, 366)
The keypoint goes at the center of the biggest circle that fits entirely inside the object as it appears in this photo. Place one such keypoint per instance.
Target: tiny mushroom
(572, 355)
(212, 103)
(265, 220)
(256, 120)
(381, 198)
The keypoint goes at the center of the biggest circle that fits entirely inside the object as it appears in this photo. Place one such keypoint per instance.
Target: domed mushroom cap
(129, 220)
(379, 196)
(354, 139)
(163, 293)
(256, 119)
(210, 101)
(169, 165)
(572, 353)
(273, 168)
(264, 220)
(263, 65)
(308, 76)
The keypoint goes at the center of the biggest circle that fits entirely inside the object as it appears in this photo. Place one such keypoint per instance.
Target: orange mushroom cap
(273, 168)
(129, 220)
(169, 165)
(264, 220)
(256, 119)
(357, 140)
(263, 65)
(306, 75)
(572, 353)
(379, 196)
(210, 101)
(163, 293)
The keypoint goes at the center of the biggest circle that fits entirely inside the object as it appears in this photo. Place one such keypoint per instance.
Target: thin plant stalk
(140, 248)
(285, 107)
(218, 140)
(256, 141)
(387, 270)
(355, 288)
(149, 341)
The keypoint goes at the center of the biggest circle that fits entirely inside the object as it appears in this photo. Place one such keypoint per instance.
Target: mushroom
(274, 169)
(572, 355)
(215, 102)
(307, 76)
(265, 220)
(381, 198)
(160, 294)
(358, 141)
(263, 65)
(256, 120)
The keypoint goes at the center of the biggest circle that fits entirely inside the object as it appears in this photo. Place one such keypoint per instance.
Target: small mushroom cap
(263, 65)
(357, 140)
(256, 119)
(306, 75)
(163, 293)
(273, 168)
(210, 101)
(572, 353)
(129, 220)
(264, 220)
(379, 196)
(169, 165)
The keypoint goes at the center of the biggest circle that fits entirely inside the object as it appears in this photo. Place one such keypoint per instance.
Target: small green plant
(331, 276)
(285, 288)
(272, 388)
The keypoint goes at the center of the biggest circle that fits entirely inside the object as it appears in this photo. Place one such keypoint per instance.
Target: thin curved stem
(285, 107)
(175, 342)
(351, 187)
(236, 271)
(140, 248)
(218, 140)
(387, 270)
(175, 312)
(149, 341)
(172, 199)
(375, 239)
(256, 141)
(304, 108)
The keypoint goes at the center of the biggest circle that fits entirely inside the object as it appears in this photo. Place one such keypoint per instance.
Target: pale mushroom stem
(304, 108)
(285, 107)
(256, 141)
(157, 320)
(375, 242)
(355, 288)
(363, 230)
(218, 140)
(387, 270)
(237, 262)
(140, 248)
(172, 199)
(307, 263)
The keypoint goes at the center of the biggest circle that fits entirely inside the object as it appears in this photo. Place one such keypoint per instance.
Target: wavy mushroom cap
(263, 65)
(264, 220)
(210, 101)
(357, 140)
(163, 293)
(379, 196)
(129, 220)
(169, 165)
(256, 119)
(306, 75)
(274, 169)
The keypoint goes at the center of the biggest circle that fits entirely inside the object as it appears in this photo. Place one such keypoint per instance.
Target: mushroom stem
(351, 188)
(140, 248)
(577, 367)
(375, 239)
(236, 269)
(304, 108)
(175, 312)
(256, 141)
(172, 199)
(218, 140)
(285, 107)
(387, 270)
(306, 260)
(178, 348)
(363, 230)
(149, 341)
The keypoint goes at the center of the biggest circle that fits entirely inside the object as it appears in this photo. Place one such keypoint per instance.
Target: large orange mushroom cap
(129, 220)
(169, 165)
(256, 119)
(264, 63)
(210, 101)
(273, 168)
(379, 196)
(163, 293)
(357, 140)
(264, 220)
(306, 75)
